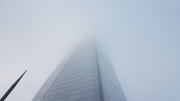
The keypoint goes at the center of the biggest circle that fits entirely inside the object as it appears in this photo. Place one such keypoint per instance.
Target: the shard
(84, 75)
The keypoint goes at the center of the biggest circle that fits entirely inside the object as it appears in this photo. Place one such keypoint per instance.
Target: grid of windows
(78, 80)
(86, 76)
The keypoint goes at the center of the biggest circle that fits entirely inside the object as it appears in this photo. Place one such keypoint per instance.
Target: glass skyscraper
(84, 75)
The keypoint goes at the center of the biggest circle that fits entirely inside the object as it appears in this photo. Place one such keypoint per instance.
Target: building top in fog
(84, 75)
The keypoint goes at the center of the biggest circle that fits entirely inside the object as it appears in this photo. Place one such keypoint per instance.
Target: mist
(141, 39)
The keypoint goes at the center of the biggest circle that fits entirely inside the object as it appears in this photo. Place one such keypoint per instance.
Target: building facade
(84, 75)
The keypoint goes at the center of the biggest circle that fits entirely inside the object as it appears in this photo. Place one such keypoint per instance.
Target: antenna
(12, 87)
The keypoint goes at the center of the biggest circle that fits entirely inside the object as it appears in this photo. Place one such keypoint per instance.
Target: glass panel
(78, 79)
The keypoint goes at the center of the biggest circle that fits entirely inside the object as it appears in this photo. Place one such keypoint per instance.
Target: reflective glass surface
(78, 80)
(87, 75)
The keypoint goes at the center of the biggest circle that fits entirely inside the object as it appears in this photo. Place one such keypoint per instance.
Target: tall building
(84, 75)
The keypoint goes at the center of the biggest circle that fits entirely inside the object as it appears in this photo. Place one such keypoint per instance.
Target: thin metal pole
(12, 87)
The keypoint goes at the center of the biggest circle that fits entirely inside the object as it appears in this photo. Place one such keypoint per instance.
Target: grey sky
(142, 39)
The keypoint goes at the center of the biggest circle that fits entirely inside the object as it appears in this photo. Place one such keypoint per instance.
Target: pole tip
(25, 72)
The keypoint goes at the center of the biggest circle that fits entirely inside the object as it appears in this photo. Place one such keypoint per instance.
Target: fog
(141, 39)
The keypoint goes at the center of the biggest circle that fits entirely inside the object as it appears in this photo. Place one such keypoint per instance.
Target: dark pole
(11, 88)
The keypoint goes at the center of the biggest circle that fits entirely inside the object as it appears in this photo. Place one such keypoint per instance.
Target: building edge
(47, 84)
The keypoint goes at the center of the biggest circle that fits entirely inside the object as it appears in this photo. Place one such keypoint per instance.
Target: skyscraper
(84, 75)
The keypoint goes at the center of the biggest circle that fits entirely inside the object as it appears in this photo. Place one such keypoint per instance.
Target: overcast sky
(142, 38)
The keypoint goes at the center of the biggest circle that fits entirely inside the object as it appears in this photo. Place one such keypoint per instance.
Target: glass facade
(80, 78)
(112, 90)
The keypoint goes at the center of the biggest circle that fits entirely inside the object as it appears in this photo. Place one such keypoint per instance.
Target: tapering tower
(84, 75)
